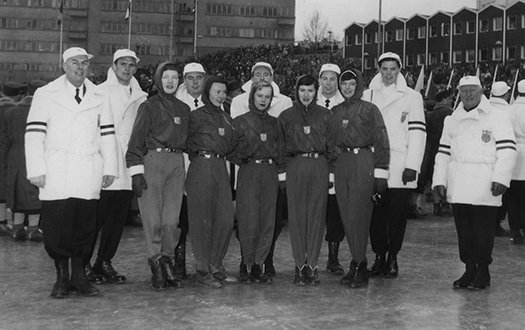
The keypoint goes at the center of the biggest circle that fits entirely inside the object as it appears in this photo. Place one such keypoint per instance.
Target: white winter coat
(72, 144)
(476, 148)
(124, 111)
(517, 116)
(404, 117)
(240, 103)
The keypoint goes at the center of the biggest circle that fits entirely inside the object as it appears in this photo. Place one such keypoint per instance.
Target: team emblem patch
(345, 123)
(404, 115)
(263, 137)
(485, 135)
(221, 131)
(306, 129)
(176, 120)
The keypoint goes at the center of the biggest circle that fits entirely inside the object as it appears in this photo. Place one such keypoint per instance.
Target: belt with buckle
(208, 155)
(167, 150)
(268, 161)
(310, 155)
(355, 150)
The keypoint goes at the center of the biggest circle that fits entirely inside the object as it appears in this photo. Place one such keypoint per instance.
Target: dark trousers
(335, 231)
(354, 183)
(210, 211)
(516, 205)
(307, 190)
(256, 202)
(389, 221)
(183, 220)
(113, 207)
(475, 228)
(69, 227)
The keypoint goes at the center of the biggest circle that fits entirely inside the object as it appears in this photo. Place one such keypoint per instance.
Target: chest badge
(404, 115)
(263, 137)
(221, 131)
(176, 120)
(306, 129)
(345, 123)
(485, 136)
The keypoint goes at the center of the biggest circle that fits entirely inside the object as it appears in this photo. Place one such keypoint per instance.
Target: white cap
(469, 80)
(264, 65)
(499, 88)
(125, 53)
(193, 67)
(75, 51)
(521, 86)
(329, 67)
(390, 56)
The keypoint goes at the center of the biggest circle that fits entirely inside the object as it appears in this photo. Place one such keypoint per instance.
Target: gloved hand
(497, 189)
(441, 191)
(409, 175)
(138, 184)
(282, 186)
(380, 185)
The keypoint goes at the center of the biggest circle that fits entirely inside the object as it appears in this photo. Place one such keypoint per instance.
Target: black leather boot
(158, 276)
(438, 211)
(255, 274)
(61, 287)
(482, 279)
(91, 275)
(392, 269)
(79, 281)
(466, 278)
(243, 273)
(379, 266)
(299, 276)
(180, 260)
(108, 273)
(168, 267)
(333, 265)
(347, 279)
(311, 275)
(269, 269)
(360, 278)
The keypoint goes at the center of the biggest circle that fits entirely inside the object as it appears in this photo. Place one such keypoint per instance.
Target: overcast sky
(341, 13)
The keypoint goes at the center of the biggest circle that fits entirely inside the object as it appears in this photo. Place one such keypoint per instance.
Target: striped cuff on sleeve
(36, 127)
(505, 144)
(417, 126)
(107, 130)
(444, 149)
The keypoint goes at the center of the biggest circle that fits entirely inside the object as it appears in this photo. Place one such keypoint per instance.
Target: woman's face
(170, 81)
(217, 93)
(348, 88)
(262, 98)
(306, 94)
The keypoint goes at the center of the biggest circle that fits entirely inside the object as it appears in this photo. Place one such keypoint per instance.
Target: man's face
(328, 82)
(76, 69)
(306, 94)
(389, 71)
(125, 68)
(261, 73)
(194, 82)
(170, 81)
(262, 98)
(348, 88)
(217, 93)
(470, 96)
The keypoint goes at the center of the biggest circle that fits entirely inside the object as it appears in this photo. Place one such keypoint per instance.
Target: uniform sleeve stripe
(444, 152)
(416, 123)
(36, 130)
(417, 128)
(107, 126)
(39, 123)
(444, 146)
(107, 133)
(506, 141)
(506, 147)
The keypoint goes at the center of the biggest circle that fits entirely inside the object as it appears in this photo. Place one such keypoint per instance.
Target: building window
(471, 27)
(400, 34)
(370, 37)
(456, 56)
(469, 55)
(420, 59)
(410, 60)
(512, 22)
(389, 36)
(422, 32)
(497, 53)
(522, 52)
(433, 31)
(445, 29)
(359, 39)
(434, 58)
(247, 33)
(512, 52)
(483, 25)
(523, 21)
(444, 57)
(458, 28)
(348, 40)
(497, 23)
(411, 33)
(483, 55)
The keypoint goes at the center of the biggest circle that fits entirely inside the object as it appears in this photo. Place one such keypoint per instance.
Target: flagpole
(195, 30)
(171, 31)
(129, 23)
(514, 85)
(61, 45)
(449, 85)
(494, 79)
(429, 81)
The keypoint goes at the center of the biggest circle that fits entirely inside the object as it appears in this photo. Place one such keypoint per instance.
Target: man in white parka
(124, 96)
(71, 154)
(404, 117)
(473, 168)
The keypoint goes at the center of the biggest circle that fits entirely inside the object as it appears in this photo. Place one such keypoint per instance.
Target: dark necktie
(77, 97)
(327, 102)
(196, 102)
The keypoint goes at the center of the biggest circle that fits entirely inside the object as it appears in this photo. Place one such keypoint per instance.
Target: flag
(420, 80)
(432, 90)
(60, 12)
(449, 85)
(478, 73)
(128, 11)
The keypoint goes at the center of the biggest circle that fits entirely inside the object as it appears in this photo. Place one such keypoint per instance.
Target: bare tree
(316, 29)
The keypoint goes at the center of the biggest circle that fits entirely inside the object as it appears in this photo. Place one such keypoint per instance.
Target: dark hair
(307, 80)
(170, 66)
(443, 95)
